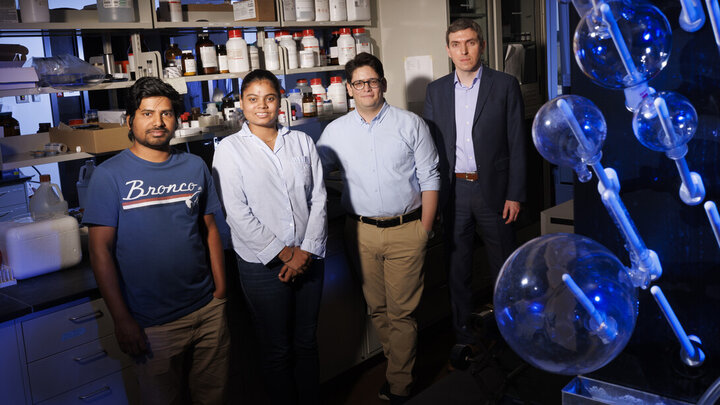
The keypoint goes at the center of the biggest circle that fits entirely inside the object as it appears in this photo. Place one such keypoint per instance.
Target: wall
(410, 28)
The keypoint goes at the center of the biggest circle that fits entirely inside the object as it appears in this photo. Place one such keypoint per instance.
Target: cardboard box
(109, 138)
(254, 10)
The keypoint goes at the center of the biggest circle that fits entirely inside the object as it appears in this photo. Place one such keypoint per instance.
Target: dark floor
(484, 382)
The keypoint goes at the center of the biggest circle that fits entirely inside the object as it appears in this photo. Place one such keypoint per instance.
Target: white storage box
(34, 248)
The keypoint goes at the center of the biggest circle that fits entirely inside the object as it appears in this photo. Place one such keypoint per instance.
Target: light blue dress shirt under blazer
(385, 163)
(465, 103)
(272, 198)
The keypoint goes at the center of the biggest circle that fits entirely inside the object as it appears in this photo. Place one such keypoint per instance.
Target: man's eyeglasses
(360, 84)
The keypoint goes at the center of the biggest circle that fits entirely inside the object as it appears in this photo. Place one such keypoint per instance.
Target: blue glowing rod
(692, 16)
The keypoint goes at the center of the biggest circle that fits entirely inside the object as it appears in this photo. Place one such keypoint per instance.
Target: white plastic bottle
(84, 175)
(295, 99)
(305, 10)
(254, 57)
(302, 85)
(322, 10)
(317, 88)
(337, 93)
(270, 49)
(358, 10)
(287, 42)
(237, 52)
(338, 10)
(309, 42)
(288, 7)
(48, 201)
(346, 47)
(362, 41)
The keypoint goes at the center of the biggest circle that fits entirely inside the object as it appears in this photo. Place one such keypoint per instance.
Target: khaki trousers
(390, 263)
(188, 360)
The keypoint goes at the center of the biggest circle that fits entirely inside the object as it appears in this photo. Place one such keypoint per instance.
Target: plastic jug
(86, 172)
(47, 203)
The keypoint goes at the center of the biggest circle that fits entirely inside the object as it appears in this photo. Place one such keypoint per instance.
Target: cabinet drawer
(12, 195)
(116, 389)
(70, 327)
(58, 373)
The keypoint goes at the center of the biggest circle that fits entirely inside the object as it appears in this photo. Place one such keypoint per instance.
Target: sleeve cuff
(314, 247)
(270, 251)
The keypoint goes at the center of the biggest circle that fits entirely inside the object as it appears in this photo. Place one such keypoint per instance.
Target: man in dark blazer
(476, 117)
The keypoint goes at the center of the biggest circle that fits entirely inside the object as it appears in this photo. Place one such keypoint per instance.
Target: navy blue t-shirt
(156, 209)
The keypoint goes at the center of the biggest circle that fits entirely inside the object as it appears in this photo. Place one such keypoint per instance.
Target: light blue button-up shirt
(386, 163)
(272, 198)
(465, 102)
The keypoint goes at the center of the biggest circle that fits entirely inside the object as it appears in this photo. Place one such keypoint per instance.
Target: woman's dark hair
(364, 59)
(150, 87)
(259, 75)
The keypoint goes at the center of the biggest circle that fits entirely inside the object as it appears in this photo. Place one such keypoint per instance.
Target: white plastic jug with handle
(83, 182)
(48, 201)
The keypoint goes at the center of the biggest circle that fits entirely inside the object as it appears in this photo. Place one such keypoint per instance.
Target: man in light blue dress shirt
(389, 166)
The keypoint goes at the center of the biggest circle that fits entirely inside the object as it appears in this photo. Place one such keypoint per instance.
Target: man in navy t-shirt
(157, 256)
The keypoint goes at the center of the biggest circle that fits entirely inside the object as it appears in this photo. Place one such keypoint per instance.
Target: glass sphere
(542, 320)
(555, 140)
(649, 130)
(645, 32)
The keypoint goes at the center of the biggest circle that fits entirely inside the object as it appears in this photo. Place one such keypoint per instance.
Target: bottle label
(363, 47)
(190, 68)
(334, 52)
(309, 107)
(223, 63)
(208, 57)
(117, 3)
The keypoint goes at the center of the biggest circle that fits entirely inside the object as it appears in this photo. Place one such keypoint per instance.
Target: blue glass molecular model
(563, 302)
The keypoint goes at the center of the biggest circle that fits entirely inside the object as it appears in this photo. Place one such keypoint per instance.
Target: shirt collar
(245, 130)
(457, 83)
(379, 117)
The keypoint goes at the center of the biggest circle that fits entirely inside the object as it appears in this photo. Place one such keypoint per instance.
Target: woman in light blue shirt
(271, 184)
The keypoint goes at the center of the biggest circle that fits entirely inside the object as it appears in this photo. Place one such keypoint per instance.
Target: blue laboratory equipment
(565, 304)
(714, 219)
(691, 353)
(621, 45)
(665, 122)
(714, 14)
(569, 131)
(692, 17)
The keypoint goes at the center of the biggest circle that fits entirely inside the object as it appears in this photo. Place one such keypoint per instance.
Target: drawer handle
(82, 318)
(94, 393)
(85, 359)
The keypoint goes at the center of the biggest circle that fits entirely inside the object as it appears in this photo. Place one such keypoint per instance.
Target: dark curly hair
(150, 87)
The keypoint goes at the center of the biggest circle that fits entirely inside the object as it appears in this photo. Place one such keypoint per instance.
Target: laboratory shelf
(330, 68)
(26, 159)
(321, 24)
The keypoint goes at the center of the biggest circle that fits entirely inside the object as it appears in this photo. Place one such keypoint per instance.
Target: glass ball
(646, 33)
(555, 140)
(648, 128)
(542, 320)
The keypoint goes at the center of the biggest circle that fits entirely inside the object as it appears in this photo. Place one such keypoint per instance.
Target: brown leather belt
(467, 176)
(389, 222)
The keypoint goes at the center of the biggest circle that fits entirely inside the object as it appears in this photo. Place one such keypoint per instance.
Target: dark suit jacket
(498, 136)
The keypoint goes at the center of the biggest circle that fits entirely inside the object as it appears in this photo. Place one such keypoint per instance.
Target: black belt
(389, 222)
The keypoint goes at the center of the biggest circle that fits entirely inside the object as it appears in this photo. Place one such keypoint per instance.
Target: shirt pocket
(303, 171)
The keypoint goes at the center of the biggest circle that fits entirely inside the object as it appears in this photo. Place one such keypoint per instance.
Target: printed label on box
(244, 10)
